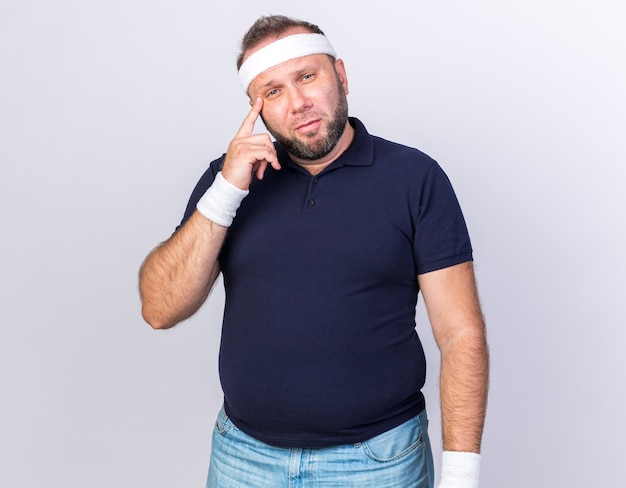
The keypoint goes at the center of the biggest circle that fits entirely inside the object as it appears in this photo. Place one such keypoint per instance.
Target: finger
(259, 148)
(269, 161)
(272, 157)
(273, 162)
(262, 166)
(260, 169)
(247, 127)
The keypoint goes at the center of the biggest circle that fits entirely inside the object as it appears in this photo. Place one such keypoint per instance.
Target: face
(304, 105)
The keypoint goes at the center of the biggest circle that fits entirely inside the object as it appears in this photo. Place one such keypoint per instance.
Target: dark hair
(270, 26)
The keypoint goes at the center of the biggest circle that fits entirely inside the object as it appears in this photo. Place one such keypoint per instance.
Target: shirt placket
(312, 195)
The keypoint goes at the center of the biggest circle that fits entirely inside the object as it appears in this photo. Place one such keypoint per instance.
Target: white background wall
(111, 110)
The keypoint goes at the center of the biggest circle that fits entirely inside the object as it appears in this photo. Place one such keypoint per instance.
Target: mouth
(309, 126)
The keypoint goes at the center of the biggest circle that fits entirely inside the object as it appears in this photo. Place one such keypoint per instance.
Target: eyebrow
(296, 72)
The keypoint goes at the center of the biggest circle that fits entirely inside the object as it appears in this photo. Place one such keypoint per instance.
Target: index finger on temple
(247, 127)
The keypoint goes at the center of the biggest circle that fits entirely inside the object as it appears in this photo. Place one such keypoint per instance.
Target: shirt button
(314, 180)
(311, 202)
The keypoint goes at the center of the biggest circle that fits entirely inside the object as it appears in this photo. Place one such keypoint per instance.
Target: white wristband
(459, 470)
(221, 201)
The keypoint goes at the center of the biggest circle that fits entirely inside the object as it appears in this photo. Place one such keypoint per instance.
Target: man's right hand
(249, 154)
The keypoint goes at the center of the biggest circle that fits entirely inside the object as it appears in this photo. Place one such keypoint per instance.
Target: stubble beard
(312, 151)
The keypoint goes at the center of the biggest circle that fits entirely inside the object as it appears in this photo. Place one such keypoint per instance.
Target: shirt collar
(359, 153)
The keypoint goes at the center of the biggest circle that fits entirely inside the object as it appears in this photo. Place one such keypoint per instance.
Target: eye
(308, 76)
(272, 93)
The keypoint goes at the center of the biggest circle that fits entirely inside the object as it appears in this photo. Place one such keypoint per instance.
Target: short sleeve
(206, 180)
(441, 238)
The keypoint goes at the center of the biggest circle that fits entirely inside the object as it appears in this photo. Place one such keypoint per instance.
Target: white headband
(290, 47)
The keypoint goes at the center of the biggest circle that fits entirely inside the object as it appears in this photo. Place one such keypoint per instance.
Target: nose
(298, 100)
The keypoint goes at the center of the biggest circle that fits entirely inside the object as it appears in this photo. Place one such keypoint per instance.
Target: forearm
(463, 388)
(176, 277)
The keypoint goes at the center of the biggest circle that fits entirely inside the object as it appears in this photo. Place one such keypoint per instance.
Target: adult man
(323, 255)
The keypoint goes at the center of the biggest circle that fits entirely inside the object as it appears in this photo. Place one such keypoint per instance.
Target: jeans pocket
(223, 424)
(395, 443)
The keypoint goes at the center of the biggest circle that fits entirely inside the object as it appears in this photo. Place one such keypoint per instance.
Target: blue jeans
(398, 458)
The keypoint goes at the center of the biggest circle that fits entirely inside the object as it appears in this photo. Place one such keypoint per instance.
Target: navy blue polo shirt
(318, 339)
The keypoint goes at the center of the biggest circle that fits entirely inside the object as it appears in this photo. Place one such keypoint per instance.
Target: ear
(340, 69)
